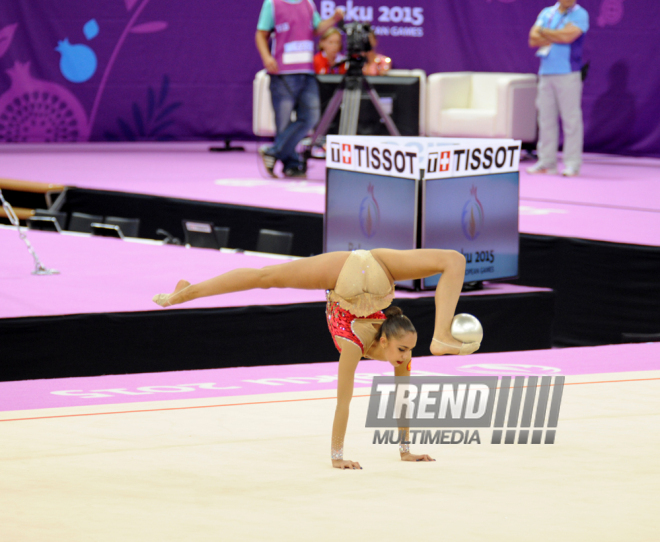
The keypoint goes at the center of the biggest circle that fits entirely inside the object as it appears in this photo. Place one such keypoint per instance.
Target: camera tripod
(348, 96)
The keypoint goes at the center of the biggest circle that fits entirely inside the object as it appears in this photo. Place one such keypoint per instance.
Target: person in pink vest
(292, 24)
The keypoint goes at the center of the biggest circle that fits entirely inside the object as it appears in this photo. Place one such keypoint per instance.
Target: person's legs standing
(548, 115)
(569, 98)
(309, 106)
(283, 102)
(305, 89)
(308, 113)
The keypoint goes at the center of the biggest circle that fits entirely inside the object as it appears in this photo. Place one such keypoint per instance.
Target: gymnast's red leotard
(362, 291)
(340, 323)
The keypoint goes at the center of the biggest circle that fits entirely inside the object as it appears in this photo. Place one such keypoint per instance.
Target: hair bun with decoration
(393, 311)
(396, 323)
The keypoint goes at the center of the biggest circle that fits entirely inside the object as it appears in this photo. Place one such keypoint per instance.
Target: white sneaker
(570, 172)
(539, 168)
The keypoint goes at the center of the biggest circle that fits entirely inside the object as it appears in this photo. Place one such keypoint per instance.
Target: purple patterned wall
(78, 70)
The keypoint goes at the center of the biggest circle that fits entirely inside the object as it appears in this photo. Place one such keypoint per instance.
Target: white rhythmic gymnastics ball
(466, 328)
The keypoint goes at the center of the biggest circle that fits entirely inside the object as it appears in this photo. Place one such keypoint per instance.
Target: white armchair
(468, 104)
(263, 118)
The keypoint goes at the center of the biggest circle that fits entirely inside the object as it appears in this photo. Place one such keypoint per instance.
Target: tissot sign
(372, 157)
(480, 159)
(440, 158)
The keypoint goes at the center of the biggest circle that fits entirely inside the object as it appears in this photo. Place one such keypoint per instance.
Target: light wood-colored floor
(261, 471)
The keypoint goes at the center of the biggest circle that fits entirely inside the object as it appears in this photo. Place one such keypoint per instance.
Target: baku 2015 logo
(369, 214)
(472, 218)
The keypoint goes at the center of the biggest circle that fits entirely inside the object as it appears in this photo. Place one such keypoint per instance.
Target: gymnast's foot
(176, 297)
(448, 345)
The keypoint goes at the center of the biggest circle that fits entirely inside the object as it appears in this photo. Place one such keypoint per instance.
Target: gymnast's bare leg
(314, 273)
(422, 263)
(321, 273)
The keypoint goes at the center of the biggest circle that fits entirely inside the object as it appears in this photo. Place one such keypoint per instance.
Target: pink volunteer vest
(293, 44)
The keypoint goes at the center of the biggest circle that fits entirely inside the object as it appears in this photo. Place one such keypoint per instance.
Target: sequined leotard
(362, 291)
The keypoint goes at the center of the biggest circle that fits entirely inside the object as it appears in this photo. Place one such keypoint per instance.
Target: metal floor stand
(39, 268)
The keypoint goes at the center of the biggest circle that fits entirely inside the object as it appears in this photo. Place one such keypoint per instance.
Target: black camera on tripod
(349, 94)
(357, 37)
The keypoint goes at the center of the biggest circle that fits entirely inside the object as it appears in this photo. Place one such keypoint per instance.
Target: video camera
(357, 37)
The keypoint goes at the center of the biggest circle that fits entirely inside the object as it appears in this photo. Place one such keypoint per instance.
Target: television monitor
(366, 211)
(398, 95)
(477, 216)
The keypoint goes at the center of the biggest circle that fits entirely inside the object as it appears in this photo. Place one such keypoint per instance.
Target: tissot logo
(407, 158)
(341, 153)
(346, 153)
(335, 152)
(445, 160)
(461, 160)
(380, 159)
(439, 161)
(486, 158)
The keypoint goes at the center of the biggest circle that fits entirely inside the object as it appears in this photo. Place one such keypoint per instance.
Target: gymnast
(360, 286)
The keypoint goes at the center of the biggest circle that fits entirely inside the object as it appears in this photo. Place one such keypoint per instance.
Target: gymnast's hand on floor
(345, 464)
(415, 457)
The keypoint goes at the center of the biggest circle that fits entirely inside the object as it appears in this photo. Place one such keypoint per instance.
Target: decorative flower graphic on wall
(6, 35)
(151, 124)
(36, 110)
(78, 62)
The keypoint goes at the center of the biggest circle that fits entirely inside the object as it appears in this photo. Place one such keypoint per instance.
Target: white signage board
(438, 157)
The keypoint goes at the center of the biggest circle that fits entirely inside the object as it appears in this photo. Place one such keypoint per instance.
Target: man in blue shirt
(558, 33)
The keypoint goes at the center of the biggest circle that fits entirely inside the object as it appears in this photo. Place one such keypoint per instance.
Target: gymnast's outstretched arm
(404, 447)
(348, 362)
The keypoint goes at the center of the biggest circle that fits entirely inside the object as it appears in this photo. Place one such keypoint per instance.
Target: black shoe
(269, 161)
(295, 172)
